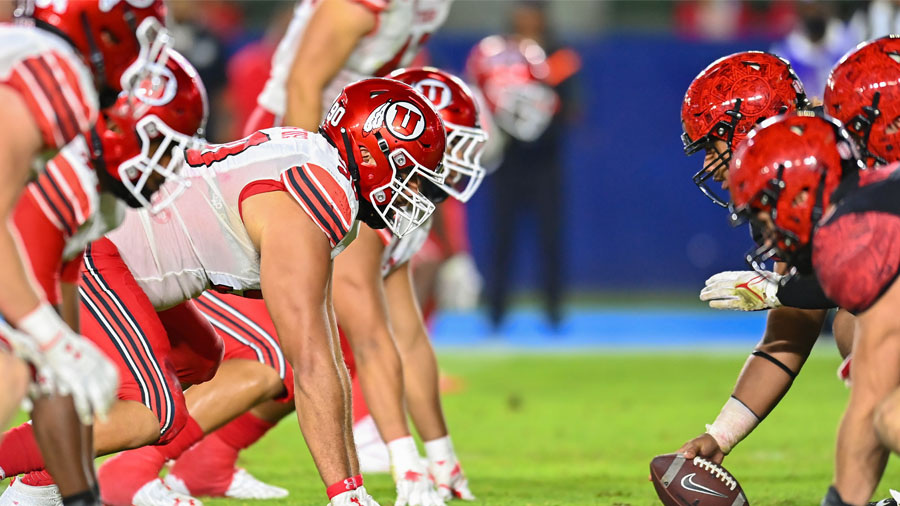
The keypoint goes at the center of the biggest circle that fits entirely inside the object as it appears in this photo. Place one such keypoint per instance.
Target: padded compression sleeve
(804, 292)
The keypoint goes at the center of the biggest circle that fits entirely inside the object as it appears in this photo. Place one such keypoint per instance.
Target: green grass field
(577, 429)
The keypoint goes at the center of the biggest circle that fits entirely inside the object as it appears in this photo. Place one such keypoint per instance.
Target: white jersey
(398, 251)
(402, 27)
(52, 79)
(68, 195)
(200, 241)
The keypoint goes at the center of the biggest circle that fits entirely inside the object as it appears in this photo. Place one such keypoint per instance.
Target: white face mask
(407, 208)
(463, 161)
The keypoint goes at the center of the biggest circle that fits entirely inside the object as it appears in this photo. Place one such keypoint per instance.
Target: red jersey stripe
(41, 110)
(71, 89)
(61, 170)
(44, 77)
(332, 191)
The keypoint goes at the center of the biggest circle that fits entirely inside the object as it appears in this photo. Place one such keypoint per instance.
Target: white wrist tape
(43, 325)
(732, 425)
(404, 454)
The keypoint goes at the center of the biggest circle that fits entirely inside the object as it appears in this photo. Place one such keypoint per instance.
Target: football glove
(69, 364)
(450, 480)
(742, 291)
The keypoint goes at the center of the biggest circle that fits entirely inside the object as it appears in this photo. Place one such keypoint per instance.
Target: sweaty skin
(331, 34)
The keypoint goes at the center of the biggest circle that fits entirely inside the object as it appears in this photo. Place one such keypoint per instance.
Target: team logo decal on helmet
(405, 121)
(435, 91)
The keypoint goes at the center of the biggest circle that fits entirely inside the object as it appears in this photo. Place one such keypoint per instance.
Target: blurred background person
(818, 40)
(529, 95)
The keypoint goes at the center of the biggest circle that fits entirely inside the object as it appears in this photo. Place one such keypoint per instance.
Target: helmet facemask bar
(722, 131)
(463, 161)
(135, 173)
(407, 208)
(150, 65)
(860, 127)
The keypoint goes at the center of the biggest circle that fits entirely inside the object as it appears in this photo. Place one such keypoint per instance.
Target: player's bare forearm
(420, 367)
(331, 35)
(295, 269)
(768, 374)
(361, 310)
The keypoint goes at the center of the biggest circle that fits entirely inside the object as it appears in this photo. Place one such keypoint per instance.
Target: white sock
(404, 454)
(440, 449)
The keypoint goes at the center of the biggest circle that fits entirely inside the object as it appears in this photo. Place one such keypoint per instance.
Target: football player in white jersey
(251, 219)
(332, 43)
(390, 346)
(80, 196)
(56, 66)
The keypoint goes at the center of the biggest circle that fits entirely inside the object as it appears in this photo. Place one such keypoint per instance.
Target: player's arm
(765, 378)
(295, 269)
(861, 451)
(359, 303)
(331, 34)
(20, 140)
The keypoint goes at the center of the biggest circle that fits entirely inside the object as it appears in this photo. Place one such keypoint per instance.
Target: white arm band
(733, 424)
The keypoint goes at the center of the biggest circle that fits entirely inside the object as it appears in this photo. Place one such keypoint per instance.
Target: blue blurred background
(634, 227)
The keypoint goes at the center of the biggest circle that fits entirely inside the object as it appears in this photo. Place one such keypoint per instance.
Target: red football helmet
(403, 138)
(163, 116)
(786, 171)
(465, 137)
(863, 91)
(117, 38)
(726, 100)
(510, 71)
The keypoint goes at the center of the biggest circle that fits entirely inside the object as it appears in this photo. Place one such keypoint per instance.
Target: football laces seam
(718, 471)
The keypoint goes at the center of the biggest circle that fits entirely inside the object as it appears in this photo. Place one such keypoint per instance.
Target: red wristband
(341, 487)
(358, 480)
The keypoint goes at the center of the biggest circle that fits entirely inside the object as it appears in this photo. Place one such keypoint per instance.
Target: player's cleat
(20, 493)
(243, 486)
(450, 480)
(373, 454)
(156, 493)
(884, 502)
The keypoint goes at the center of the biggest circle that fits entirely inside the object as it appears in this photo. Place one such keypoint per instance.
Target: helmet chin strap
(367, 213)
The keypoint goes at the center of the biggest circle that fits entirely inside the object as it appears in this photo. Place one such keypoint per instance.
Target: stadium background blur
(571, 427)
(634, 226)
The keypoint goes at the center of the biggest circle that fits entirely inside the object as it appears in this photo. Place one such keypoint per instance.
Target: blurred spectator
(529, 95)
(877, 19)
(194, 39)
(730, 19)
(819, 39)
(248, 71)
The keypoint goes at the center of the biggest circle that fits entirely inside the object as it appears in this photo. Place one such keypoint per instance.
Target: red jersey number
(207, 156)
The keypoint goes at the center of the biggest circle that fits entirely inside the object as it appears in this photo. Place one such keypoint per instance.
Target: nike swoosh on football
(688, 483)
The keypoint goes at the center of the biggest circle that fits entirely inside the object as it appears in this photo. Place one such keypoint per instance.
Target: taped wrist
(804, 292)
(733, 424)
(44, 326)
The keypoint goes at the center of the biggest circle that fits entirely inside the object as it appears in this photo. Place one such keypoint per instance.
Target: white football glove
(364, 498)
(69, 364)
(742, 291)
(459, 283)
(413, 486)
(415, 489)
(450, 480)
(356, 497)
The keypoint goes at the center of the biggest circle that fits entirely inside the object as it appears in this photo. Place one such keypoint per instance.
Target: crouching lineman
(56, 66)
(79, 197)
(842, 222)
(863, 101)
(391, 351)
(252, 219)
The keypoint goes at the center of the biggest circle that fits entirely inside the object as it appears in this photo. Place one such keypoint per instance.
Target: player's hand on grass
(742, 291)
(356, 497)
(450, 480)
(71, 365)
(415, 489)
(704, 446)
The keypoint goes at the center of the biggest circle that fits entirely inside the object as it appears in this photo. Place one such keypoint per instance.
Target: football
(695, 482)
